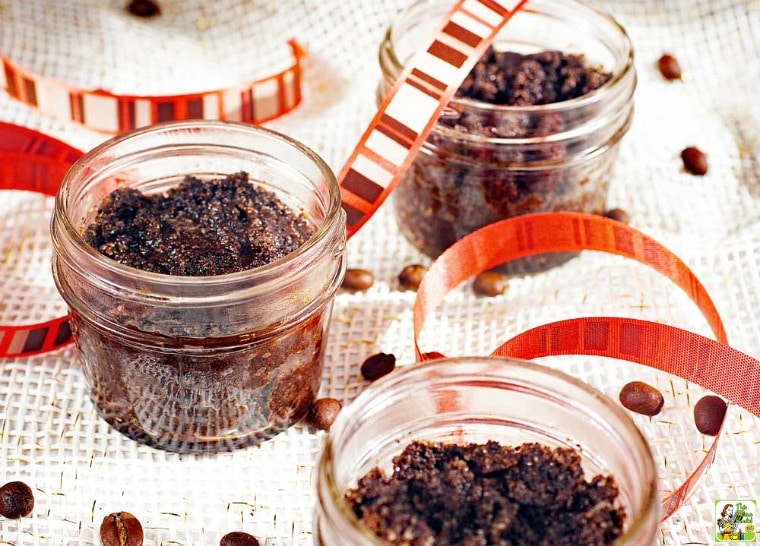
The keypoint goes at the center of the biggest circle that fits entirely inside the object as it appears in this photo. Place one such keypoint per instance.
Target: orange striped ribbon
(257, 101)
(700, 360)
(34, 162)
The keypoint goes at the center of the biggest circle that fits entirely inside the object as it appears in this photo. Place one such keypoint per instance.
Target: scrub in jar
(199, 300)
(484, 451)
(200, 228)
(533, 128)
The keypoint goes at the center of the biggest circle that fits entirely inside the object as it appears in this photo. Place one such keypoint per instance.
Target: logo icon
(735, 521)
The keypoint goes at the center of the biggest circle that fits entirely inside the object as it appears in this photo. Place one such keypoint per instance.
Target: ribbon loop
(31, 161)
(530, 234)
(711, 364)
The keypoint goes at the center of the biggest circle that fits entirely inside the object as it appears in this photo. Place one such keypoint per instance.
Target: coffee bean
(618, 214)
(16, 500)
(358, 279)
(694, 160)
(238, 538)
(121, 529)
(323, 412)
(490, 283)
(378, 365)
(641, 398)
(669, 67)
(411, 276)
(144, 8)
(709, 413)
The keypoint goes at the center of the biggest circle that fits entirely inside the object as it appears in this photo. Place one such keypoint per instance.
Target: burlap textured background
(50, 435)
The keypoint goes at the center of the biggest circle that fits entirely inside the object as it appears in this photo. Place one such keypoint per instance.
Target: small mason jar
(484, 162)
(474, 400)
(208, 363)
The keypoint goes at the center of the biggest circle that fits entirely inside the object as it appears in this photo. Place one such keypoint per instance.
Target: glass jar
(484, 162)
(209, 363)
(474, 400)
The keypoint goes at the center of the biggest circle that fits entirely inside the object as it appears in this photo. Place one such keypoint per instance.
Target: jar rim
(443, 366)
(323, 231)
(551, 108)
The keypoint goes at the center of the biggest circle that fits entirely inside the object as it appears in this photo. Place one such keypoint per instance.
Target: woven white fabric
(81, 470)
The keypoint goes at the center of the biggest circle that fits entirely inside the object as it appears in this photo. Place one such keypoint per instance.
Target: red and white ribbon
(34, 162)
(257, 101)
(413, 105)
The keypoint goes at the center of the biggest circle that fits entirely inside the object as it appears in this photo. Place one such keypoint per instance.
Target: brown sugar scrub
(533, 128)
(199, 228)
(466, 184)
(167, 398)
(488, 494)
(509, 78)
(492, 439)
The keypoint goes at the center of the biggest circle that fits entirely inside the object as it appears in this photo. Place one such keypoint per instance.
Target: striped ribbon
(34, 162)
(413, 105)
(257, 101)
(700, 360)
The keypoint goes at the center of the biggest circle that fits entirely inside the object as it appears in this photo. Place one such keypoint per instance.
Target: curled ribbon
(256, 101)
(412, 106)
(700, 360)
(34, 162)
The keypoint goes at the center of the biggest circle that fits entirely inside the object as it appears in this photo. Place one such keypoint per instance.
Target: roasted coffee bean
(709, 413)
(238, 538)
(378, 365)
(16, 500)
(144, 8)
(121, 529)
(669, 67)
(358, 279)
(490, 283)
(641, 398)
(694, 160)
(323, 412)
(618, 214)
(411, 276)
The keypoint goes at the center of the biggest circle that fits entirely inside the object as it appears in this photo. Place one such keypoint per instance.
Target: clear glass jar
(550, 157)
(477, 399)
(210, 363)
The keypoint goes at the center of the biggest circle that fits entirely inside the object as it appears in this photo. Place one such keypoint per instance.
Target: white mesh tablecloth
(50, 435)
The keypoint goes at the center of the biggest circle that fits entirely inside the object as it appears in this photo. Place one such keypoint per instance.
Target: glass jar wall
(476, 400)
(485, 162)
(202, 363)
